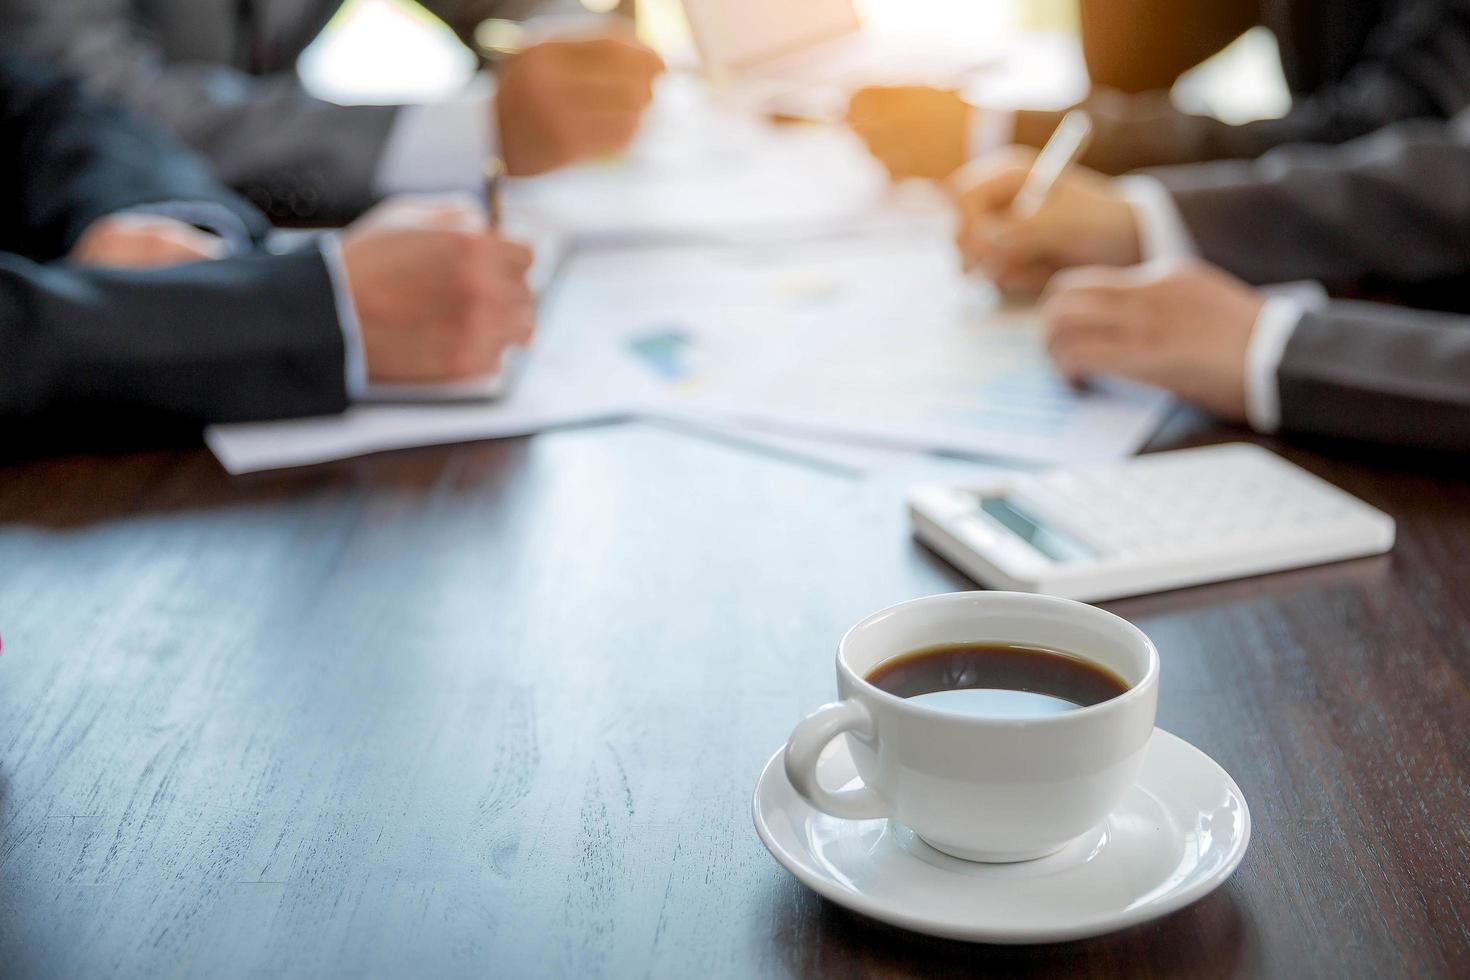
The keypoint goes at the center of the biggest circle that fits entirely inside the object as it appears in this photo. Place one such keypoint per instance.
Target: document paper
(874, 339)
(877, 338)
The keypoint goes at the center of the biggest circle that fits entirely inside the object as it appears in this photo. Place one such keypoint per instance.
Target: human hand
(913, 130)
(1185, 328)
(138, 240)
(1084, 220)
(561, 101)
(438, 296)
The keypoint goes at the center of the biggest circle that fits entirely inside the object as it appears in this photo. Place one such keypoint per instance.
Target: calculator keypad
(1167, 505)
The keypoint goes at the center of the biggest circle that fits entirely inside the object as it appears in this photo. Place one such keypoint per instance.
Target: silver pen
(1066, 144)
(494, 178)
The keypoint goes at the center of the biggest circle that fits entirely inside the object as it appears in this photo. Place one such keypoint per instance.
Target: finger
(513, 257)
(1100, 281)
(1025, 279)
(991, 182)
(989, 241)
(985, 194)
(503, 323)
(1080, 359)
(524, 324)
(1080, 317)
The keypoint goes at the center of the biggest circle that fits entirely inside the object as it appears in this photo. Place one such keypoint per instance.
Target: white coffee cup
(983, 789)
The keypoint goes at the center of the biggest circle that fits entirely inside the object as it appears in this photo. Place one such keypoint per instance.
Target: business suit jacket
(1387, 214)
(141, 354)
(221, 74)
(1353, 66)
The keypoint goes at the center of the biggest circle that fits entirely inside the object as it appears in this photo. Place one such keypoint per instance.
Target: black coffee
(997, 680)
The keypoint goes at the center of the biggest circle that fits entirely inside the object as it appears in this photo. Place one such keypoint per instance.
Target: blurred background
(392, 51)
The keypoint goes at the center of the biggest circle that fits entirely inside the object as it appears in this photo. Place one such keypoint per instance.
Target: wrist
(1120, 242)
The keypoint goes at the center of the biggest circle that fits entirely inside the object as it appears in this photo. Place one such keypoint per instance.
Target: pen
(1063, 148)
(494, 177)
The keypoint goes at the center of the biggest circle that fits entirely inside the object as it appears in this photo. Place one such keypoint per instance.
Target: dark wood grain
(498, 709)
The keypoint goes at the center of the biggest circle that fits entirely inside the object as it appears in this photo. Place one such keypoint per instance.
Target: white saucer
(1177, 835)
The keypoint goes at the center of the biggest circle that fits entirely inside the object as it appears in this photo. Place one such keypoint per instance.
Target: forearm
(1411, 68)
(1393, 207)
(1378, 373)
(1142, 45)
(240, 339)
(73, 159)
(1131, 132)
(298, 158)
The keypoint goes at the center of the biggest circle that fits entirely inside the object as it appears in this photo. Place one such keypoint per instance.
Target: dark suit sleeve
(239, 339)
(68, 159)
(1391, 210)
(1143, 45)
(295, 155)
(1416, 65)
(1379, 373)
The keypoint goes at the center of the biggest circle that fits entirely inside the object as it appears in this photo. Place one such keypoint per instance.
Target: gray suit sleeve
(1415, 66)
(1392, 209)
(1379, 373)
(294, 155)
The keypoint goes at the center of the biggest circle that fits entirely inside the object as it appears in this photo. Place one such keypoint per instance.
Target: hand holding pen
(1024, 214)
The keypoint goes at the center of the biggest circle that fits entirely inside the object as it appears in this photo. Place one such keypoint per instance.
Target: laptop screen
(740, 33)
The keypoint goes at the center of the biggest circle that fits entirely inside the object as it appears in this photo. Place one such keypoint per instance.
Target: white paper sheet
(876, 338)
(853, 457)
(362, 429)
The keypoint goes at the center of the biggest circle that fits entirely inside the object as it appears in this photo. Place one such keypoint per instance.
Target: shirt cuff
(989, 130)
(1162, 234)
(440, 146)
(1274, 326)
(355, 364)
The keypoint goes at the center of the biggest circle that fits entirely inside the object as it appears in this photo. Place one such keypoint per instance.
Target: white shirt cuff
(1162, 234)
(1274, 326)
(440, 146)
(989, 130)
(354, 361)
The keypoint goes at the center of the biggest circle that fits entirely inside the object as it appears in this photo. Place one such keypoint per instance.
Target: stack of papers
(869, 340)
(873, 338)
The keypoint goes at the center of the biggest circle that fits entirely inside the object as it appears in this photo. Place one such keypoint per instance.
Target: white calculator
(1155, 522)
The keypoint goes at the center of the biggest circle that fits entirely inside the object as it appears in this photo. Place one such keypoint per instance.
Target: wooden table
(497, 710)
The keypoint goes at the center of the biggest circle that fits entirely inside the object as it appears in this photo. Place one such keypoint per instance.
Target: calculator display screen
(1055, 544)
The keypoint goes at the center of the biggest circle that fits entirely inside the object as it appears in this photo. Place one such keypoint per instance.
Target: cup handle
(807, 741)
